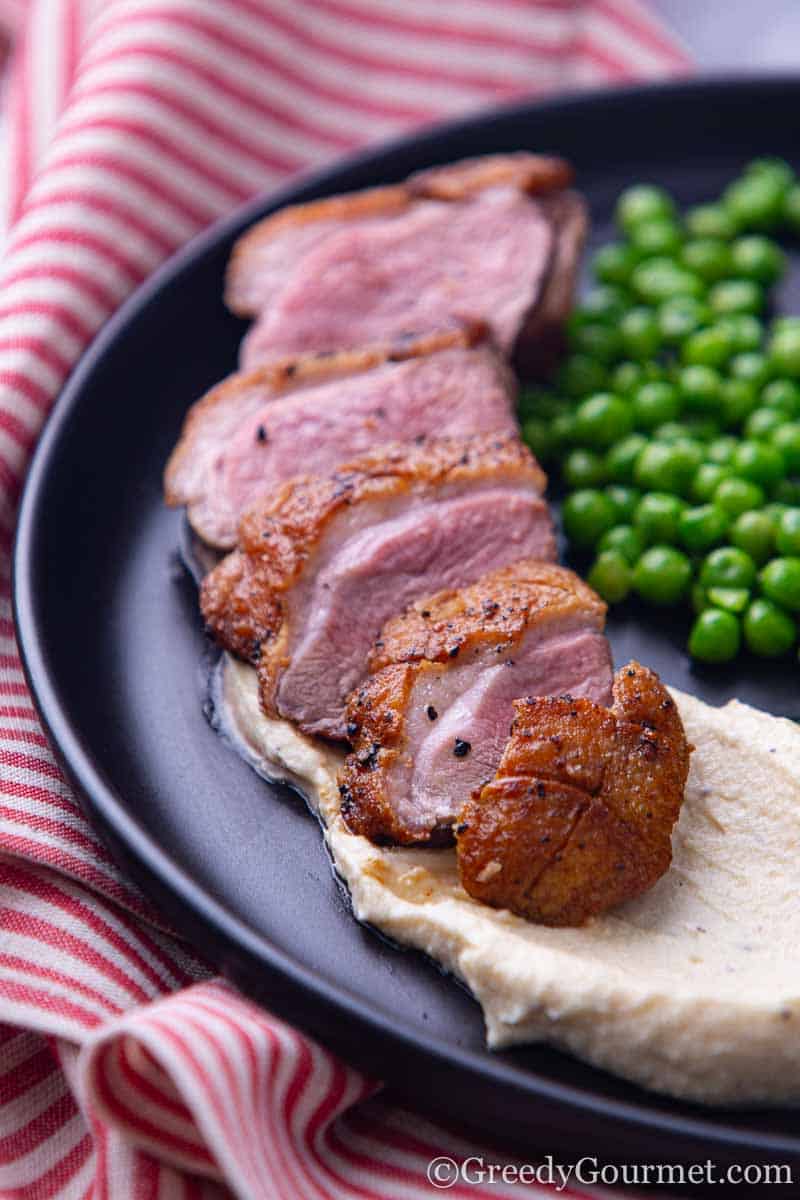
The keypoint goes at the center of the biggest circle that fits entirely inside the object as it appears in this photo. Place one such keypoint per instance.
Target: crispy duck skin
(527, 622)
(579, 816)
(276, 241)
(247, 600)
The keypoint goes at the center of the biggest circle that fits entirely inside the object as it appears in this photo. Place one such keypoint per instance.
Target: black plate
(117, 660)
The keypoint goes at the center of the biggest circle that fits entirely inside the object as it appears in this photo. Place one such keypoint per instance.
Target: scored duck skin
(580, 813)
(248, 435)
(479, 240)
(322, 565)
(431, 721)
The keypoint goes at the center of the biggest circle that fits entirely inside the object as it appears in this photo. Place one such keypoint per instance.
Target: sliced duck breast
(483, 239)
(429, 724)
(259, 428)
(264, 257)
(322, 565)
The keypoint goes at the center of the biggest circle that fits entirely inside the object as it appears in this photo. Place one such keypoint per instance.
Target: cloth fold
(126, 1070)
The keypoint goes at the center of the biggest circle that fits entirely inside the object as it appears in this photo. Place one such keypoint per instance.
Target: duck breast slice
(264, 257)
(430, 723)
(323, 564)
(259, 428)
(485, 258)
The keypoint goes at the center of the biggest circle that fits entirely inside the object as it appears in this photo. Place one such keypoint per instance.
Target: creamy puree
(691, 990)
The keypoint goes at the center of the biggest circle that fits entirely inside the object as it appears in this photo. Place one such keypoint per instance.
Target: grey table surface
(736, 34)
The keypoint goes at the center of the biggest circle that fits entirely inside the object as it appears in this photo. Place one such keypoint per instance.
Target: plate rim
(106, 807)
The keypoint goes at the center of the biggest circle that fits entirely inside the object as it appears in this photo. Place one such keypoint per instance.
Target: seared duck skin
(579, 815)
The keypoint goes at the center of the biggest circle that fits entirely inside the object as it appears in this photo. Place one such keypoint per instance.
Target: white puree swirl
(692, 990)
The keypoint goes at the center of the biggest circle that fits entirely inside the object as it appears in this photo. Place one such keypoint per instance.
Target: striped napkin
(126, 1069)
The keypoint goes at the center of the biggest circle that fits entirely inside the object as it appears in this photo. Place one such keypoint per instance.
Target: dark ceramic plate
(118, 663)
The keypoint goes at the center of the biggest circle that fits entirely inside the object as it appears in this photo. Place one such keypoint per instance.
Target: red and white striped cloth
(126, 1070)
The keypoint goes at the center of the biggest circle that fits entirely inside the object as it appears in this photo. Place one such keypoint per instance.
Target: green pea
(738, 495)
(784, 351)
(624, 539)
(754, 533)
(580, 375)
(583, 468)
(639, 333)
(760, 462)
(625, 500)
(791, 208)
(540, 402)
(722, 450)
(755, 202)
(780, 582)
(734, 600)
(700, 428)
(656, 237)
(586, 515)
(701, 528)
(643, 202)
(662, 575)
(698, 598)
(784, 395)
(679, 317)
(603, 419)
(701, 388)
(739, 398)
(627, 377)
(752, 366)
(787, 491)
(757, 258)
(604, 303)
(708, 347)
(710, 258)
(710, 221)
(614, 263)
(736, 296)
(597, 340)
(670, 431)
(562, 429)
(707, 479)
(536, 433)
(746, 331)
(768, 630)
(655, 403)
(775, 511)
(787, 533)
(659, 279)
(715, 637)
(728, 567)
(786, 321)
(621, 459)
(667, 467)
(763, 423)
(657, 518)
(611, 576)
(775, 168)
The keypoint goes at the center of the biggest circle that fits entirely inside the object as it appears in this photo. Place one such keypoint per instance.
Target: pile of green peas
(674, 418)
